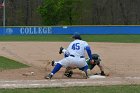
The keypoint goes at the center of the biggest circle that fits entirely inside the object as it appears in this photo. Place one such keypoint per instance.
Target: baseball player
(97, 60)
(95, 57)
(76, 51)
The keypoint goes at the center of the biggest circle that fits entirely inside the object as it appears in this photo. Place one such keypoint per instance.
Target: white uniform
(76, 51)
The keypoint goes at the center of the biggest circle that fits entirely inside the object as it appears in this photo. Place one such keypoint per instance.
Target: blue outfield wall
(45, 30)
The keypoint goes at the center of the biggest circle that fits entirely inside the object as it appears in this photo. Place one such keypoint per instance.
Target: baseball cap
(76, 35)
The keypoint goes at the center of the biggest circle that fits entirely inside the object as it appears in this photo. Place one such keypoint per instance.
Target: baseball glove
(68, 73)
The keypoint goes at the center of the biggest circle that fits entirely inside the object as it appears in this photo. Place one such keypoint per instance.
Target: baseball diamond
(120, 60)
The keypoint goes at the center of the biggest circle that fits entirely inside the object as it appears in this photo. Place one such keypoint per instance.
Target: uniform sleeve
(87, 48)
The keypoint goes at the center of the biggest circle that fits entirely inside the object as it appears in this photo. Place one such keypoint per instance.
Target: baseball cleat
(53, 63)
(69, 74)
(49, 76)
(60, 51)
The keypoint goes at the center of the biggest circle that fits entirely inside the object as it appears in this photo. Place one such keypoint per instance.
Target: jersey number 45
(76, 46)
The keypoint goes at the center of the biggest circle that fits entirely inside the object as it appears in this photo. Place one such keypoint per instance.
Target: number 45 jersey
(77, 47)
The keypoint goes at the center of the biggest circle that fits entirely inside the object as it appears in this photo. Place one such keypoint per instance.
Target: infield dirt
(120, 60)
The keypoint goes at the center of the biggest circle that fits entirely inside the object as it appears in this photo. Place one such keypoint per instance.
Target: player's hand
(92, 61)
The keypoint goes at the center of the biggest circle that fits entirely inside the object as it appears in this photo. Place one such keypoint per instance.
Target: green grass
(114, 38)
(99, 89)
(6, 63)
(65, 38)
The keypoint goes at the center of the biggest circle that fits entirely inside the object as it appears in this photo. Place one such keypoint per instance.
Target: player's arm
(89, 54)
(101, 67)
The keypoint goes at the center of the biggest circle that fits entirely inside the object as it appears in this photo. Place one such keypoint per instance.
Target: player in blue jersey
(76, 51)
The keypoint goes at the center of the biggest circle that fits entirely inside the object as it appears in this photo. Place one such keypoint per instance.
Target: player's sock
(56, 68)
(85, 71)
(85, 68)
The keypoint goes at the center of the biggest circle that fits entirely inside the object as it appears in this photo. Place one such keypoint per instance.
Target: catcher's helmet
(76, 36)
(96, 57)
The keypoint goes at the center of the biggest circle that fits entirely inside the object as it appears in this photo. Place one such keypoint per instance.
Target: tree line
(71, 12)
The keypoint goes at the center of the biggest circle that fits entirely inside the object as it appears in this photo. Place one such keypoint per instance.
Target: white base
(96, 77)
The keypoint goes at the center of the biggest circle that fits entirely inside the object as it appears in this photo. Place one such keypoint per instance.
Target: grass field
(6, 63)
(63, 38)
(90, 89)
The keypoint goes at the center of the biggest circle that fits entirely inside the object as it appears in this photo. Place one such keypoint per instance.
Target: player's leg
(85, 71)
(57, 67)
(68, 72)
(82, 65)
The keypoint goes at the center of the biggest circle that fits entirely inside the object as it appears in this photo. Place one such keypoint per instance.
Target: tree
(27, 13)
(59, 12)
